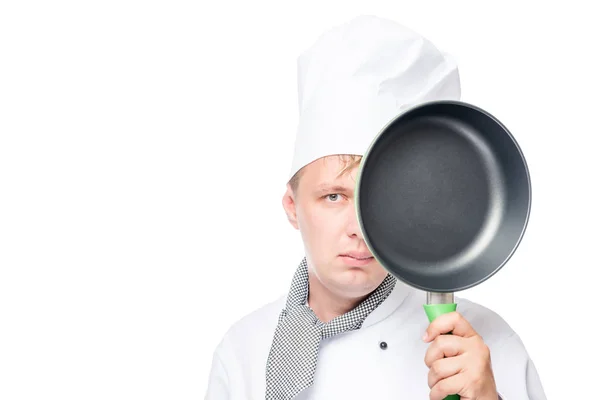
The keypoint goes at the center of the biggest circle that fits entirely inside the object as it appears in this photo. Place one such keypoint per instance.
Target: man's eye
(333, 197)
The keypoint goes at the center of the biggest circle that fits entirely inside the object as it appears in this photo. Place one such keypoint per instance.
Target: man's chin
(358, 280)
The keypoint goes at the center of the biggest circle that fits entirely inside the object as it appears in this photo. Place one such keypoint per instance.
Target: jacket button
(383, 345)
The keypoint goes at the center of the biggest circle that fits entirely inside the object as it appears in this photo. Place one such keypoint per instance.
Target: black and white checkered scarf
(293, 357)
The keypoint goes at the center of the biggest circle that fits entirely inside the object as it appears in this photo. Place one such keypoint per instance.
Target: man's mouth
(362, 255)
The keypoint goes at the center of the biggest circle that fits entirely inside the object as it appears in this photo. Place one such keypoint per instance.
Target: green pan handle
(433, 311)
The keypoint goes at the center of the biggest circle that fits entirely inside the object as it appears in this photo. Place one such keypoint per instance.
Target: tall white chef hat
(357, 77)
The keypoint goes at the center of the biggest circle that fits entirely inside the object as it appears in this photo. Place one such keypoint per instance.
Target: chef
(347, 329)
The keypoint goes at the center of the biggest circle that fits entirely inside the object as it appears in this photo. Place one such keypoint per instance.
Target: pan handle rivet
(383, 345)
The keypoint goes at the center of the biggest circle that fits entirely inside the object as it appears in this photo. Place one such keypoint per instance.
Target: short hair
(350, 161)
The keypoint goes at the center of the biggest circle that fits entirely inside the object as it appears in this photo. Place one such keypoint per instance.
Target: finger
(445, 387)
(446, 323)
(445, 346)
(445, 368)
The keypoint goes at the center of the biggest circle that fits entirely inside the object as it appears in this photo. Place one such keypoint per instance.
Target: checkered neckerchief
(293, 356)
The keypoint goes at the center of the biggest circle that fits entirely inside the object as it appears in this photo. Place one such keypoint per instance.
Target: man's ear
(289, 205)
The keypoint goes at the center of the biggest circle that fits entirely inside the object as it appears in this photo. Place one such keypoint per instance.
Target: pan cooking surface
(443, 203)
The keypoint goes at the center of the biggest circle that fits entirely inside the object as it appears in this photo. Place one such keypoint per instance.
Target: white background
(140, 207)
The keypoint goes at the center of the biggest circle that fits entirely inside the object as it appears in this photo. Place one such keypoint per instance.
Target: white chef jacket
(353, 365)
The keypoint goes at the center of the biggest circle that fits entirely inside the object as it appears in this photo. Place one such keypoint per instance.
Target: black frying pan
(443, 199)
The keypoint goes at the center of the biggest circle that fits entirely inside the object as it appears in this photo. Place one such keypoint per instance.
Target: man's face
(323, 210)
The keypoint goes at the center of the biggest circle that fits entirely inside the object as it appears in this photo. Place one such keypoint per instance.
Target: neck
(326, 304)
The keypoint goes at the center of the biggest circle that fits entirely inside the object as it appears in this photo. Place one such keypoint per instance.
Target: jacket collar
(395, 300)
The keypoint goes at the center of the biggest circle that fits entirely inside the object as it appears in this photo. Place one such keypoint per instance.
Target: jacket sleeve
(514, 371)
(218, 380)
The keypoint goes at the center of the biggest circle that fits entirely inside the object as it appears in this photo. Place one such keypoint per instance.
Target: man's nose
(352, 226)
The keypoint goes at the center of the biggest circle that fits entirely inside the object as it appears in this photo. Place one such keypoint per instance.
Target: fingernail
(425, 336)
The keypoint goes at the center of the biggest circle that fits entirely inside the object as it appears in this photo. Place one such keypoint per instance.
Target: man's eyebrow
(331, 188)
